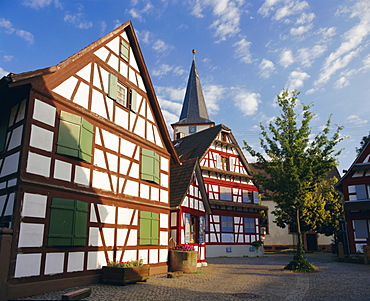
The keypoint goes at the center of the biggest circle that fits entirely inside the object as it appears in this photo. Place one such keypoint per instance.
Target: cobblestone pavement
(261, 278)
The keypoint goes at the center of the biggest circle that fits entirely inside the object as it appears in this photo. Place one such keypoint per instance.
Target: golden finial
(194, 52)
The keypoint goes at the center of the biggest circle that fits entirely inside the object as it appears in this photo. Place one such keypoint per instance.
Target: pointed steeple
(194, 110)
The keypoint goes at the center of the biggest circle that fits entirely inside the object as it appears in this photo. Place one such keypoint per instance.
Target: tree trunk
(299, 255)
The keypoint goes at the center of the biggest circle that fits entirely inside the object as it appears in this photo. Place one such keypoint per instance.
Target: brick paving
(246, 278)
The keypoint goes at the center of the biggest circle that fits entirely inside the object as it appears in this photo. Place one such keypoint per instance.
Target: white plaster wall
(132, 188)
(153, 256)
(34, 205)
(44, 112)
(163, 238)
(82, 175)
(30, 235)
(75, 261)
(82, 95)
(27, 265)
(163, 255)
(41, 138)
(10, 165)
(143, 254)
(54, 263)
(236, 251)
(102, 53)
(127, 148)
(101, 180)
(125, 216)
(107, 214)
(62, 170)
(108, 236)
(66, 88)
(96, 259)
(324, 240)
(129, 255)
(38, 164)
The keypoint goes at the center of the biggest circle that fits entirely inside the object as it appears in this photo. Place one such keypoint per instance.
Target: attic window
(124, 50)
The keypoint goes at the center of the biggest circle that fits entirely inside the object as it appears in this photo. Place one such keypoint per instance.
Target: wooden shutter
(150, 162)
(80, 223)
(249, 225)
(124, 50)
(86, 140)
(133, 102)
(112, 86)
(69, 134)
(226, 193)
(149, 228)
(227, 223)
(68, 222)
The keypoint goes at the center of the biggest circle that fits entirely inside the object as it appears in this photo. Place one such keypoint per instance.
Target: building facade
(355, 188)
(84, 168)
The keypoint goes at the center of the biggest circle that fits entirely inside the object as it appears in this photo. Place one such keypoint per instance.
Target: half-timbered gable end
(189, 206)
(84, 165)
(355, 188)
(235, 219)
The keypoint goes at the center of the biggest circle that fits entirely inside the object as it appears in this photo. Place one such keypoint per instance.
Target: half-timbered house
(235, 218)
(189, 207)
(85, 161)
(355, 188)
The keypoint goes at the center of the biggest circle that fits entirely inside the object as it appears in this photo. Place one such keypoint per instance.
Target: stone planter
(125, 276)
(184, 261)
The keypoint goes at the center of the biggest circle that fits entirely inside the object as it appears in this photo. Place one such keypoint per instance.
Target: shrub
(300, 265)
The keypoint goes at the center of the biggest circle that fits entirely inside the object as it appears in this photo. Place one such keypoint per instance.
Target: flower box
(123, 276)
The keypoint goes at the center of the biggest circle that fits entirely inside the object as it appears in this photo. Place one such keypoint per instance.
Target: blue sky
(247, 52)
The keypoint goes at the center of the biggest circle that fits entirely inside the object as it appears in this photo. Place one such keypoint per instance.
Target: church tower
(194, 115)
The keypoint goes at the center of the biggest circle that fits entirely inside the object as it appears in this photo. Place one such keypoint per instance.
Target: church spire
(194, 111)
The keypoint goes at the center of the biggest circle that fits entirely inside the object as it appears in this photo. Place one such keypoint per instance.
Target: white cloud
(354, 119)
(290, 8)
(242, 51)
(266, 68)
(351, 43)
(41, 3)
(3, 72)
(341, 82)
(306, 56)
(305, 18)
(296, 80)
(8, 58)
(212, 96)
(300, 30)
(227, 15)
(247, 102)
(286, 58)
(78, 19)
(164, 69)
(9, 29)
(268, 6)
(138, 13)
(160, 46)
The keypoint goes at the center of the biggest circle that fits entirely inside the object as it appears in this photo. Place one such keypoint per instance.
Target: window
(225, 194)
(247, 196)
(124, 50)
(249, 225)
(255, 197)
(75, 136)
(225, 163)
(150, 162)
(118, 92)
(68, 223)
(149, 228)
(360, 227)
(361, 192)
(226, 223)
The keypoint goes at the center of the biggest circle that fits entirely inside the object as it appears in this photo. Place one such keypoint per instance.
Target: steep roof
(181, 178)
(356, 165)
(29, 77)
(194, 110)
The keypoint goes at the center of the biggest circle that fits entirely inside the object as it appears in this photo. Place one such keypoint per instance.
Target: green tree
(364, 141)
(295, 163)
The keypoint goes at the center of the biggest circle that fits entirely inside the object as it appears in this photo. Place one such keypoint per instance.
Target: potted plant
(183, 258)
(125, 272)
(257, 247)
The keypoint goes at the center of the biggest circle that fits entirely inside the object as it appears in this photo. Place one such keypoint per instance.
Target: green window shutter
(150, 162)
(80, 223)
(124, 50)
(133, 102)
(155, 229)
(68, 223)
(149, 228)
(86, 140)
(61, 222)
(112, 86)
(69, 134)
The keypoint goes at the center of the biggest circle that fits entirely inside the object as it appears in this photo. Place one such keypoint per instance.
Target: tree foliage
(363, 142)
(295, 162)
